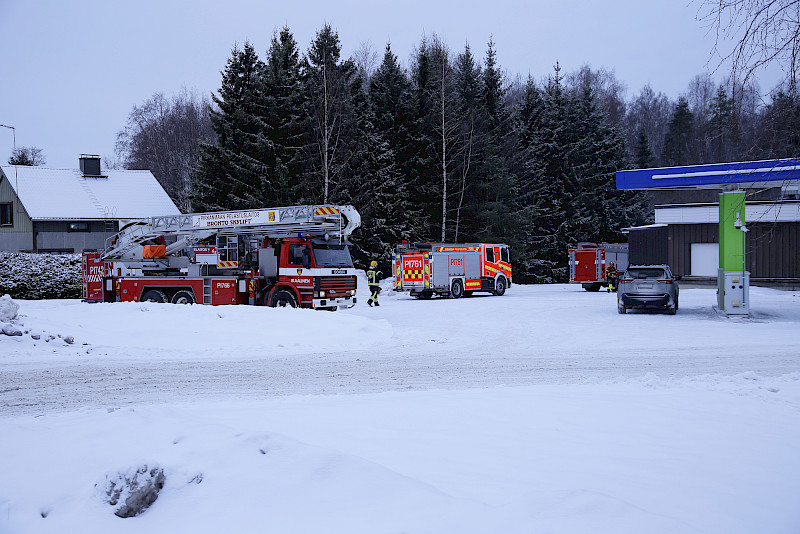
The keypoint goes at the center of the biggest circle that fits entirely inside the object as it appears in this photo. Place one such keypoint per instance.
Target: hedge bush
(40, 276)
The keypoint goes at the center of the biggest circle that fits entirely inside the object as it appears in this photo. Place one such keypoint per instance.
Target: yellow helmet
(373, 264)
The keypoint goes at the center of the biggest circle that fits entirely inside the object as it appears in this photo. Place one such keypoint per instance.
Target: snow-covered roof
(67, 194)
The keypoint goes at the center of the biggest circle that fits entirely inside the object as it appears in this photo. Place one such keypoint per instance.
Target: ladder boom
(315, 220)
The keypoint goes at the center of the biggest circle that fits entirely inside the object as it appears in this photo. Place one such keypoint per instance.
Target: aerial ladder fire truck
(294, 256)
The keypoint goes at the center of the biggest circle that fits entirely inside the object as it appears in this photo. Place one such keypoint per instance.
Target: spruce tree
(600, 210)
(496, 188)
(644, 156)
(779, 131)
(421, 169)
(394, 121)
(724, 128)
(545, 189)
(470, 140)
(286, 119)
(679, 139)
(232, 174)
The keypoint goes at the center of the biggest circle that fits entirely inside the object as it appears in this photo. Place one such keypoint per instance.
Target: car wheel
(155, 295)
(283, 299)
(184, 297)
(622, 309)
(457, 289)
(672, 310)
(500, 286)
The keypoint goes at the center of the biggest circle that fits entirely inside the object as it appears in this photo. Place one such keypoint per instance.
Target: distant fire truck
(588, 263)
(289, 256)
(454, 270)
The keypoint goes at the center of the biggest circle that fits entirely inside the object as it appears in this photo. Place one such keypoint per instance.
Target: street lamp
(14, 153)
(14, 132)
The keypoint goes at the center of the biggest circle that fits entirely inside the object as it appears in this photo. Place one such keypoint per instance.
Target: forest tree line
(448, 149)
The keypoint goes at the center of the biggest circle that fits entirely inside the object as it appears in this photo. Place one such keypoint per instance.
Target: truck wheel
(500, 286)
(591, 287)
(282, 299)
(154, 295)
(426, 294)
(457, 289)
(184, 297)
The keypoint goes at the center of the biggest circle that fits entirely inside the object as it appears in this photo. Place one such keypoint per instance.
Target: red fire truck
(454, 270)
(290, 256)
(588, 263)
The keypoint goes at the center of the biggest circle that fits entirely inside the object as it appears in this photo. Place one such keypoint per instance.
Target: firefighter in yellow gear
(373, 279)
(612, 277)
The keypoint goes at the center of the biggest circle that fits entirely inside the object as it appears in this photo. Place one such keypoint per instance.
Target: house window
(78, 227)
(6, 214)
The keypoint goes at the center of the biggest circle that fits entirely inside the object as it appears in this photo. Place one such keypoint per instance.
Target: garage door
(705, 259)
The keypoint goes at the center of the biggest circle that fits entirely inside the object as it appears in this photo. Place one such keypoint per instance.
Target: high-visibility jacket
(374, 277)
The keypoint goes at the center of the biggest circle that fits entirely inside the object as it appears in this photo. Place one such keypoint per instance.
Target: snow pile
(8, 312)
(40, 276)
(8, 309)
(144, 330)
(11, 324)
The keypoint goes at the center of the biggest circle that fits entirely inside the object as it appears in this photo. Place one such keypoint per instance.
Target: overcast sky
(72, 70)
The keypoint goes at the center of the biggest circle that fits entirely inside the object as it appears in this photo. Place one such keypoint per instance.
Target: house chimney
(90, 165)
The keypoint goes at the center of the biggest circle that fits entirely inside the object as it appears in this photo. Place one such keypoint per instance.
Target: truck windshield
(330, 255)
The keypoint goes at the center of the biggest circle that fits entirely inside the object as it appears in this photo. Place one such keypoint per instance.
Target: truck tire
(592, 287)
(184, 297)
(154, 295)
(283, 298)
(457, 289)
(500, 286)
(426, 294)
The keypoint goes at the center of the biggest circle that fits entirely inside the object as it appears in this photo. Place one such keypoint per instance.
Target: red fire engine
(453, 270)
(588, 263)
(290, 256)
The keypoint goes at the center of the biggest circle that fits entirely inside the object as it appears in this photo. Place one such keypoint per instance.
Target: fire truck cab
(451, 270)
(296, 256)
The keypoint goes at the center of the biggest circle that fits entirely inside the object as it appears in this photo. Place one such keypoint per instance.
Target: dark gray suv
(648, 287)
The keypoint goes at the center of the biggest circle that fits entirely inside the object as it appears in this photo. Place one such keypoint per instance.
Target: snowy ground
(540, 411)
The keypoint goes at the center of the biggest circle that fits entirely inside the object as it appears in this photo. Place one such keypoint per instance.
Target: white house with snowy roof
(68, 210)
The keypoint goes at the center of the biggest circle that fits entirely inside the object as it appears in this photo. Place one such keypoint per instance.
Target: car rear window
(646, 273)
